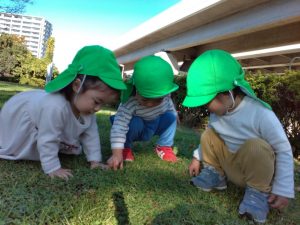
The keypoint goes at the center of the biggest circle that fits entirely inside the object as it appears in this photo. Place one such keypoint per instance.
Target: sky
(77, 23)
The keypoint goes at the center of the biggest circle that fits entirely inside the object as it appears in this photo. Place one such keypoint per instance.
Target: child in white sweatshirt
(37, 125)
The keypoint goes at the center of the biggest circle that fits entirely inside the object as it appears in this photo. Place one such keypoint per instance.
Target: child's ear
(76, 85)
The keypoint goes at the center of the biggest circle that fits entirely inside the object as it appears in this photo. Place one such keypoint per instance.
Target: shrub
(33, 81)
(193, 117)
(282, 92)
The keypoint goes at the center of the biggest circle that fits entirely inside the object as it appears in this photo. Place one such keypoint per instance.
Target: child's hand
(116, 160)
(278, 202)
(61, 173)
(194, 167)
(100, 165)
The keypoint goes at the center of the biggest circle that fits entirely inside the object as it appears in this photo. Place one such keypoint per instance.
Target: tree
(49, 50)
(48, 58)
(13, 53)
(17, 64)
(32, 72)
(14, 6)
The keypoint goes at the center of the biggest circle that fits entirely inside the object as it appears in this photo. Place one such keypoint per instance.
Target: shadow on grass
(121, 211)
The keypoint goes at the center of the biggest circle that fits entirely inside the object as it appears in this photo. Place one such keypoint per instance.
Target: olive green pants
(252, 165)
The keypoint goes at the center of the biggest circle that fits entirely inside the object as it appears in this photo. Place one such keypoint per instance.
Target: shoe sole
(172, 161)
(209, 189)
(250, 217)
(128, 160)
(168, 160)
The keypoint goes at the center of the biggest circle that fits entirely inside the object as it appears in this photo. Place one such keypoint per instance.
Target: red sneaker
(165, 153)
(128, 155)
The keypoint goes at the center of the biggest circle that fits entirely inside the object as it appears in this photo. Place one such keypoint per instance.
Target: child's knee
(258, 150)
(257, 163)
(168, 118)
(209, 136)
(136, 123)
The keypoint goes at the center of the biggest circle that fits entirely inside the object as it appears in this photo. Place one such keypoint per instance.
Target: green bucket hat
(91, 60)
(213, 72)
(153, 77)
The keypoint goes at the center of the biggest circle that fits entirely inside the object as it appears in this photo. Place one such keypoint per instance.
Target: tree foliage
(17, 64)
(14, 6)
(282, 92)
(12, 53)
(34, 70)
(49, 50)
(193, 117)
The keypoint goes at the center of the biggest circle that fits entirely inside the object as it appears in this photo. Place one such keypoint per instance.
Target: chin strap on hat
(81, 84)
(233, 101)
(80, 87)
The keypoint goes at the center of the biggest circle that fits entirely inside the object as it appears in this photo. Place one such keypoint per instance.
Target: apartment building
(35, 30)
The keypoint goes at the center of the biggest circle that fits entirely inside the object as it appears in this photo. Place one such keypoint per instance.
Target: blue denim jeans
(142, 130)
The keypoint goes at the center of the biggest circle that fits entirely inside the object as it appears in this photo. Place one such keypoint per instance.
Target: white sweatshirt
(35, 125)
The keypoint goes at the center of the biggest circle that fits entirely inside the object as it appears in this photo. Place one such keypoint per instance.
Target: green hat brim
(195, 101)
(66, 78)
(94, 61)
(61, 81)
(157, 94)
(114, 83)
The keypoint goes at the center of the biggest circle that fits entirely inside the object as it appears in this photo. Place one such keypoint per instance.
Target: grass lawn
(8, 89)
(147, 191)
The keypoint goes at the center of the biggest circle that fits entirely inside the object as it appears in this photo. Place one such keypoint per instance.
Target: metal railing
(292, 61)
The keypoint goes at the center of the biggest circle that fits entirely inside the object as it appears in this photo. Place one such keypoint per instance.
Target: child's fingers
(66, 174)
(271, 198)
(110, 163)
(68, 171)
(99, 165)
(104, 166)
(278, 202)
(191, 172)
(116, 166)
(62, 173)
